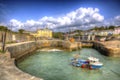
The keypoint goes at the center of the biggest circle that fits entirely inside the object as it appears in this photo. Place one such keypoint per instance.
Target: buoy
(83, 66)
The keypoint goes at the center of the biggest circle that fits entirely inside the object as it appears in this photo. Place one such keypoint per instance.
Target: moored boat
(94, 63)
(91, 63)
(79, 62)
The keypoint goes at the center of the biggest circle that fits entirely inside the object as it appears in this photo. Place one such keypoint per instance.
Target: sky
(59, 15)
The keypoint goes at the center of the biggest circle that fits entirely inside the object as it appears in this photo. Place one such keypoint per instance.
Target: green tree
(111, 27)
(102, 28)
(95, 28)
(58, 35)
(21, 31)
(3, 28)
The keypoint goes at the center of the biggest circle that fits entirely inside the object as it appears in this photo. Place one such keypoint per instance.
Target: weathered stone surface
(58, 43)
(8, 70)
(109, 48)
(19, 49)
(87, 44)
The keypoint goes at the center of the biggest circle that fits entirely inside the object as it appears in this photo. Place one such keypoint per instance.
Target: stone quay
(8, 68)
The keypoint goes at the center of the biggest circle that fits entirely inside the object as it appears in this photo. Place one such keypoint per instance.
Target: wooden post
(3, 41)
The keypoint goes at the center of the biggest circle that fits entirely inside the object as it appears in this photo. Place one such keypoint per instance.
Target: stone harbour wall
(114, 52)
(16, 37)
(59, 43)
(87, 45)
(19, 49)
(9, 71)
(108, 48)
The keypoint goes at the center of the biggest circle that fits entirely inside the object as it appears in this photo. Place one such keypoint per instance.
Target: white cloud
(112, 22)
(78, 19)
(15, 24)
(117, 18)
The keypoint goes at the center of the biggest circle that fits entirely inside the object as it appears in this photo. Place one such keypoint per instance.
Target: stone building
(43, 33)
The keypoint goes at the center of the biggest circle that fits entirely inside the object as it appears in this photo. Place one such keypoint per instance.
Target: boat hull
(95, 66)
(79, 62)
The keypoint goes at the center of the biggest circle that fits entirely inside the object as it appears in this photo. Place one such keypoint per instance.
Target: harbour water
(55, 65)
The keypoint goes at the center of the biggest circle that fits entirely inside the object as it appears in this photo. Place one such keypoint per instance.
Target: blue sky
(39, 13)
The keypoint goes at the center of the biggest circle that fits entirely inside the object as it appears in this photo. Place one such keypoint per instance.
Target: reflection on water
(55, 66)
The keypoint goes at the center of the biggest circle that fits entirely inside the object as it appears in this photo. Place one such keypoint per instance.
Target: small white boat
(94, 63)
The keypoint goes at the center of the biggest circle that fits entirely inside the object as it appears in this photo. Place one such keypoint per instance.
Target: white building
(117, 30)
(100, 33)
